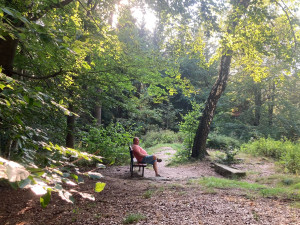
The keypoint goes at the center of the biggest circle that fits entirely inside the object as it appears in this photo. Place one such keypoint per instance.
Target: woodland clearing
(170, 199)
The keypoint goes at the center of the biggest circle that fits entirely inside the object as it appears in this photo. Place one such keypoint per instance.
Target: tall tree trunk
(98, 113)
(7, 53)
(271, 99)
(258, 103)
(70, 139)
(199, 146)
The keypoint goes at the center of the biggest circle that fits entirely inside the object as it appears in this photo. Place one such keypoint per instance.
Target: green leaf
(66, 174)
(26, 98)
(7, 11)
(94, 175)
(24, 183)
(7, 103)
(72, 199)
(36, 171)
(14, 185)
(99, 186)
(31, 101)
(45, 199)
(75, 177)
(58, 187)
(80, 179)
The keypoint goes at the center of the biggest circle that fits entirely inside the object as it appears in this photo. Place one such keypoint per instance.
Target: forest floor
(170, 199)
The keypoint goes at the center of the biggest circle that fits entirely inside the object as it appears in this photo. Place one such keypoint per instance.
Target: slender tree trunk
(98, 113)
(271, 103)
(199, 146)
(258, 104)
(70, 139)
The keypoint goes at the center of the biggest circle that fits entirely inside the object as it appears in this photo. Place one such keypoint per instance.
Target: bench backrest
(131, 154)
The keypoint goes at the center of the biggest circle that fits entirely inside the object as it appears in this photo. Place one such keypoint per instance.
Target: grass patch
(286, 181)
(182, 156)
(176, 186)
(222, 183)
(148, 194)
(157, 148)
(285, 192)
(133, 218)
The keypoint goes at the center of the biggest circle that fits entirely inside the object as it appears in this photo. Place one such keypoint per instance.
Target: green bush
(286, 152)
(153, 138)
(291, 159)
(226, 157)
(110, 142)
(217, 141)
(188, 126)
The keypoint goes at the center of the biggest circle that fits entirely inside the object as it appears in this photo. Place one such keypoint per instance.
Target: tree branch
(39, 78)
(91, 17)
(289, 19)
(51, 6)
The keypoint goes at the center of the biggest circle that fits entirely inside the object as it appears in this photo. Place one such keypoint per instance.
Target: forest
(79, 79)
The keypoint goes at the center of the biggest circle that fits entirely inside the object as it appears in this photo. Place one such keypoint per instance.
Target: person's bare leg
(155, 158)
(155, 166)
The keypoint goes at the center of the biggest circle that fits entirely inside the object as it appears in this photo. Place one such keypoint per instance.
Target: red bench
(134, 163)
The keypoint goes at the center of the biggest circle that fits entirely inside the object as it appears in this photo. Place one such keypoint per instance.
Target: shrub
(110, 142)
(291, 159)
(217, 141)
(286, 152)
(188, 127)
(226, 157)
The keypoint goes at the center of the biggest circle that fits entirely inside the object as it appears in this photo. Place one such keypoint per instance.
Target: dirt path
(169, 199)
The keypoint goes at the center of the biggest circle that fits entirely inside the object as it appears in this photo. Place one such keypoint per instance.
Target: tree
(246, 17)
(199, 150)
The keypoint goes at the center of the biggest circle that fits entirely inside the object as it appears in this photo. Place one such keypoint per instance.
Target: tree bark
(98, 113)
(7, 52)
(199, 146)
(258, 104)
(70, 139)
(271, 99)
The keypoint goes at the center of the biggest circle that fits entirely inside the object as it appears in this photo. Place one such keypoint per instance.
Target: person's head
(136, 140)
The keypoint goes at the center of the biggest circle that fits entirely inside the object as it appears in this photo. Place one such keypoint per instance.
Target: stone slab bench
(228, 171)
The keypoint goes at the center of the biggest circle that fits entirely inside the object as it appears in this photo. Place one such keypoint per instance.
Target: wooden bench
(134, 163)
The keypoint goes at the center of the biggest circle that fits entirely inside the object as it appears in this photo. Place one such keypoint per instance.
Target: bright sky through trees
(145, 15)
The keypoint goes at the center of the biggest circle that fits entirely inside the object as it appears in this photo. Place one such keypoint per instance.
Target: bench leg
(143, 171)
(131, 170)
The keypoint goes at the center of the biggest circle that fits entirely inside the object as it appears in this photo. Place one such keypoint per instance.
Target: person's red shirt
(138, 152)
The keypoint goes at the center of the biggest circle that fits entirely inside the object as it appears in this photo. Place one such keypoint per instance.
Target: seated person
(142, 156)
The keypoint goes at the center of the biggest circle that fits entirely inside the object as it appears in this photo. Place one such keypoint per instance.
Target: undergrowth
(153, 138)
(285, 152)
